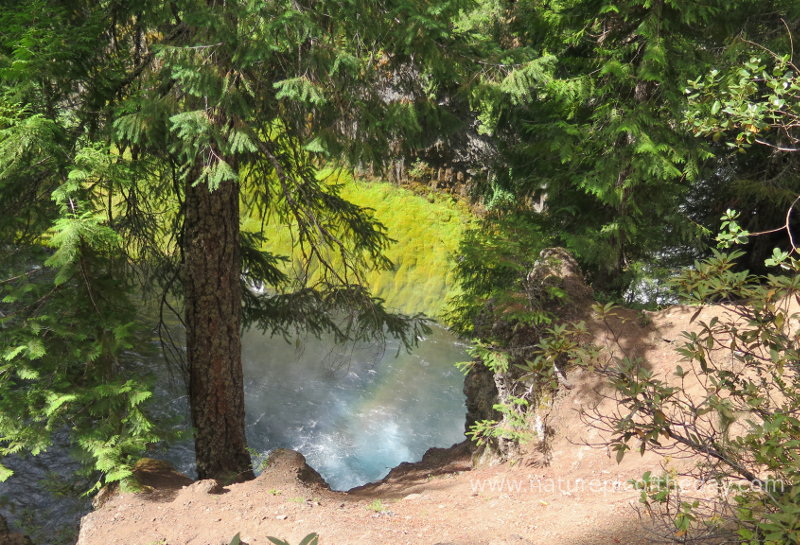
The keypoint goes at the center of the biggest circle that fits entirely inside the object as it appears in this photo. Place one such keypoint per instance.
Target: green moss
(427, 230)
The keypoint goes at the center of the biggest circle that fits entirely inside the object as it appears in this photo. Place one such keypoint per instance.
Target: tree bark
(213, 331)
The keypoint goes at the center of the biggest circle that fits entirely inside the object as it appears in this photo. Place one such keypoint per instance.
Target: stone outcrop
(435, 462)
(480, 391)
(289, 464)
(556, 286)
(556, 269)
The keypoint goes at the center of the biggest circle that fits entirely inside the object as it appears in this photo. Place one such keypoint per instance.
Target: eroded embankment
(581, 497)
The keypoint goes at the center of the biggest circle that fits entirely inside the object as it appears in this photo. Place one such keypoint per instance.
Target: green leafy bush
(734, 405)
(514, 425)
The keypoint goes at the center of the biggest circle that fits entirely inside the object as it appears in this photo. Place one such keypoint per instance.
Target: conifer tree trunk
(213, 331)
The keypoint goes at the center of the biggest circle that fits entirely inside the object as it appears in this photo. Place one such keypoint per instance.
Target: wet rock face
(481, 393)
(9, 538)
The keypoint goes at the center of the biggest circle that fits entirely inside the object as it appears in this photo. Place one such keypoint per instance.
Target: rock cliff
(555, 288)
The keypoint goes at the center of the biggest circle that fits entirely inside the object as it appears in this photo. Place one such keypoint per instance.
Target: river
(354, 411)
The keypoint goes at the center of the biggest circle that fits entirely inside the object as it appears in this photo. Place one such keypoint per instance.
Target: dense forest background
(178, 155)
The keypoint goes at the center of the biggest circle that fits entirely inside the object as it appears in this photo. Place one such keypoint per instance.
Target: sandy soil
(581, 497)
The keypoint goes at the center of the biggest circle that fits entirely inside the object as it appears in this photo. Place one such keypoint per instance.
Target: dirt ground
(581, 497)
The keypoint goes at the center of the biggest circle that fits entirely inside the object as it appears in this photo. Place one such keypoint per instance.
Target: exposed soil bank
(580, 498)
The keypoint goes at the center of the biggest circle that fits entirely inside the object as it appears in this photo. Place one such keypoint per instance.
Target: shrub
(734, 406)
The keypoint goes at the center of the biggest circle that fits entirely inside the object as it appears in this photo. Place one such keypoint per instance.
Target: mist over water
(354, 411)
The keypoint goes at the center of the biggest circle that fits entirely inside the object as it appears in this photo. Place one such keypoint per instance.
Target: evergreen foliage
(593, 107)
(494, 259)
(585, 104)
(586, 118)
(137, 138)
(114, 114)
(67, 315)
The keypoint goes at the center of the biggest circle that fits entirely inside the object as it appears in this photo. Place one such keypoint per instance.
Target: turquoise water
(353, 411)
